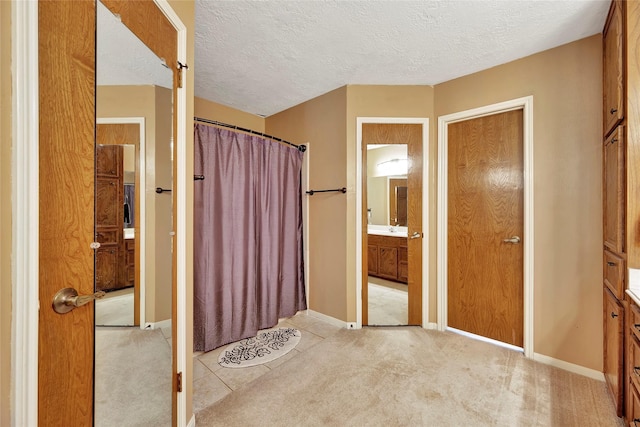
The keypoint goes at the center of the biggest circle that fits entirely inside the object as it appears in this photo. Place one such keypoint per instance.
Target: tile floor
(212, 382)
(388, 303)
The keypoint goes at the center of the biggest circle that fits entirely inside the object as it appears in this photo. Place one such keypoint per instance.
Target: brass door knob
(67, 299)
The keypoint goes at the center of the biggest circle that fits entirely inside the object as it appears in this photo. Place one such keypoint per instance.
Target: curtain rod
(302, 148)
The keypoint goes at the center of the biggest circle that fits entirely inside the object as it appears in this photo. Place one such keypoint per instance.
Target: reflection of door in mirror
(398, 201)
(134, 99)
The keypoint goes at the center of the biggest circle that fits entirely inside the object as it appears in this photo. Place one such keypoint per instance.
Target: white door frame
(526, 104)
(25, 211)
(142, 171)
(425, 210)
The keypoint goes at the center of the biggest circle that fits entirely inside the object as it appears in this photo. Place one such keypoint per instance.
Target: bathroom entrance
(392, 236)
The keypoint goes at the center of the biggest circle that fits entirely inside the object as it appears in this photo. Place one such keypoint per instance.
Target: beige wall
(5, 213)
(321, 123)
(566, 84)
(213, 111)
(143, 101)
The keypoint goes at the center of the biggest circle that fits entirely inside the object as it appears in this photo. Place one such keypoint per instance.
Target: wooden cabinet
(387, 257)
(613, 73)
(614, 190)
(614, 272)
(613, 317)
(130, 262)
(109, 217)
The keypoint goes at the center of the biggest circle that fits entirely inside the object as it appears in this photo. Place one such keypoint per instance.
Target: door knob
(67, 299)
(415, 235)
(514, 240)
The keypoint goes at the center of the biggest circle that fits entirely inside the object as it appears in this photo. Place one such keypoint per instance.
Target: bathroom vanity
(387, 253)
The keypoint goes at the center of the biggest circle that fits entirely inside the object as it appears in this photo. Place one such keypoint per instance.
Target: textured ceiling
(122, 59)
(266, 56)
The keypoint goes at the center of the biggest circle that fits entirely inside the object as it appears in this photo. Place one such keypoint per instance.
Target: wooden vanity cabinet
(130, 262)
(614, 190)
(387, 257)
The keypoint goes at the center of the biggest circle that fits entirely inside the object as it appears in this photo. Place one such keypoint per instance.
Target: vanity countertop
(129, 233)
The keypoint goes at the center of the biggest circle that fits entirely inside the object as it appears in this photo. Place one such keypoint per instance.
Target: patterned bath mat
(263, 348)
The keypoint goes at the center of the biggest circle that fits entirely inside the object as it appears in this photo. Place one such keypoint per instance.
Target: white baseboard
(431, 326)
(158, 325)
(192, 421)
(576, 369)
(332, 320)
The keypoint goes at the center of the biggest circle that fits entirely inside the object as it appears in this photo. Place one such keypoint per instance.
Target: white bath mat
(263, 348)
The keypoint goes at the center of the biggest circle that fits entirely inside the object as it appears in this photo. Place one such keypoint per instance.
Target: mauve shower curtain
(248, 256)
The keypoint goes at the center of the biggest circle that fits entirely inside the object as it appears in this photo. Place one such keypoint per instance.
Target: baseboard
(332, 320)
(158, 325)
(192, 421)
(576, 369)
(431, 326)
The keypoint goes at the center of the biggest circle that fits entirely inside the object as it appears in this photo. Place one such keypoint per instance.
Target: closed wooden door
(485, 226)
(411, 135)
(66, 199)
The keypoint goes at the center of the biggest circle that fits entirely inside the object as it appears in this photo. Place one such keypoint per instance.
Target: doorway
(392, 253)
(456, 313)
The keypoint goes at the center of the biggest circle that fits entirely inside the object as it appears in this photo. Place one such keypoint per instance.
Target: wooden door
(485, 206)
(410, 134)
(66, 199)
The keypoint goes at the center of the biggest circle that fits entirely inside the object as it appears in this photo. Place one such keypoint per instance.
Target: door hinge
(179, 382)
(180, 67)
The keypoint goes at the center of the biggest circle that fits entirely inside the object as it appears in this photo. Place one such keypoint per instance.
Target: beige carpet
(133, 378)
(413, 377)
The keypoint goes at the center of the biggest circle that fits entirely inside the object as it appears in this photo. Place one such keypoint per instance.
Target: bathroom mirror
(387, 185)
(134, 106)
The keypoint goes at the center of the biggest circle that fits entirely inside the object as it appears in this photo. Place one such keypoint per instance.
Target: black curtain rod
(302, 148)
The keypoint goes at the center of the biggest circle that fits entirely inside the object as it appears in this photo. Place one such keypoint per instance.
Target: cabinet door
(403, 264)
(614, 194)
(372, 259)
(109, 160)
(613, 347)
(107, 268)
(388, 262)
(613, 69)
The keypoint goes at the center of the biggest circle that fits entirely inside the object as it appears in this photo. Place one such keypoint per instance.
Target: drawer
(633, 406)
(614, 271)
(634, 321)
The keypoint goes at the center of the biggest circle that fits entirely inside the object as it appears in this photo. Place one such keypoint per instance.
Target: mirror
(133, 226)
(387, 214)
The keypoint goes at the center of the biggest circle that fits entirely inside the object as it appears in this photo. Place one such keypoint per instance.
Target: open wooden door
(67, 113)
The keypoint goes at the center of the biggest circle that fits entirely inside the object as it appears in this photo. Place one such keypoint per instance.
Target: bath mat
(263, 348)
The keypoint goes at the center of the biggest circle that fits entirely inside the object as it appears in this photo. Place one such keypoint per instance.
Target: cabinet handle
(613, 315)
(613, 110)
(611, 264)
(614, 140)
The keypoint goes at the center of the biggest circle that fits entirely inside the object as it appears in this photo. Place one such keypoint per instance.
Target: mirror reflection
(133, 226)
(387, 221)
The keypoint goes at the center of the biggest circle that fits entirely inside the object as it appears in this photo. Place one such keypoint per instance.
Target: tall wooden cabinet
(621, 209)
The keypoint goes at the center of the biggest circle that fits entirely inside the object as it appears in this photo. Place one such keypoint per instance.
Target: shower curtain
(248, 255)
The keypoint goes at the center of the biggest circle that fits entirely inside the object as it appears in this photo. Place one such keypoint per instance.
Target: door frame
(141, 167)
(25, 212)
(425, 210)
(526, 104)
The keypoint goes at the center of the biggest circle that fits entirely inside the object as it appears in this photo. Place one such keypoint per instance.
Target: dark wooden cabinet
(130, 262)
(387, 257)
(109, 217)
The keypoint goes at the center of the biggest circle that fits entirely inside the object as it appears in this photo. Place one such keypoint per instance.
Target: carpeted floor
(132, 378)
(412, 377)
